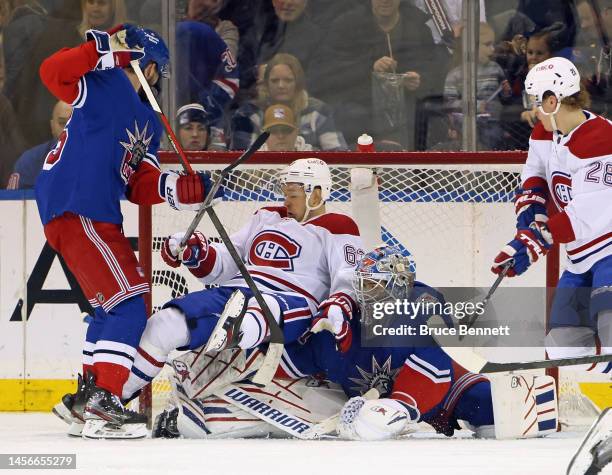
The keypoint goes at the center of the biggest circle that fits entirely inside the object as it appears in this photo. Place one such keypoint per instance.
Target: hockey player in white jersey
(301, 258)
(568, 168)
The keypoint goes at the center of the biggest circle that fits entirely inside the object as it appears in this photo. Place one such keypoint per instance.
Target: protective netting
(452, 218)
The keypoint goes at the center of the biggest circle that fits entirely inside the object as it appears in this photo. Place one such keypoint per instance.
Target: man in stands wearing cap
(193, 127)
(279, 120)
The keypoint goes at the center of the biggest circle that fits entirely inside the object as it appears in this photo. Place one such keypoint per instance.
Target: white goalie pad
(524, 405)
(203, 414)
(365, 206)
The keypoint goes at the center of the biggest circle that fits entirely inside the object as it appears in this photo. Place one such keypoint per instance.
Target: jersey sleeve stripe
(82, 94)
(152, 159)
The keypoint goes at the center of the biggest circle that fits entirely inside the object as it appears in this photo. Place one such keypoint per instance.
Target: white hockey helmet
(310, 173)
(557, 75)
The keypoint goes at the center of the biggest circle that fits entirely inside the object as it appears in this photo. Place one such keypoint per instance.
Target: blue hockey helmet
(385, 273)
(156, 51)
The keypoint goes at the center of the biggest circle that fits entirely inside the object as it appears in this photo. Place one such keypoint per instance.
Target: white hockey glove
(377, 419)
(334, 316)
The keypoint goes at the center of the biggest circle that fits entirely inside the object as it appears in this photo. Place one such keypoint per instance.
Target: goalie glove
(334, 316)
(377, 419)
(526, 248)
(119, 46)
(197, 255)
(183, 192)
(530, 206)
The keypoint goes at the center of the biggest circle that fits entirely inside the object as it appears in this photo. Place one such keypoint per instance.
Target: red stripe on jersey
(336, 223)
(143, 185)
(536, 182)
(286, 283)
(149, 358)
(589, 244)
(561, 229)
(540, 133)
(423, 390)
(591, 139)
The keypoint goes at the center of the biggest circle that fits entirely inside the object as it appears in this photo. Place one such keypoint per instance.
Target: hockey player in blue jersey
(107, 150)
(416, 381)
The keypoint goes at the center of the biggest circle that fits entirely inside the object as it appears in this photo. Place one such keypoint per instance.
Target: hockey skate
(107, 418)
(227, 331)
(595, 452)
(70, 408)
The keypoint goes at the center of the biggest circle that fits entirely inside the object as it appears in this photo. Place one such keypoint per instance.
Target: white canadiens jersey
(314, 259)
(578, 170)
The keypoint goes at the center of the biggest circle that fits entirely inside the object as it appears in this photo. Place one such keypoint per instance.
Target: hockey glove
(186, 191)
(334, 316)
(197, 255)
(530, 206)
(119, 46)
(526, 248)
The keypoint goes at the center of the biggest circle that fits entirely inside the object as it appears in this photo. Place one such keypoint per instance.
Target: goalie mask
(310, 173)
(386, 273)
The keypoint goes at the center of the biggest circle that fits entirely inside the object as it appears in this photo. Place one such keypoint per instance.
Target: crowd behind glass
(314, 73)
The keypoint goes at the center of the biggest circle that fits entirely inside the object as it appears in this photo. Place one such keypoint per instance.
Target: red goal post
(452, 210)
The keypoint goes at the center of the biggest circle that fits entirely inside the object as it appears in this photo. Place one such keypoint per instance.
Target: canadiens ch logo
(381, 378)
(135, 150)
(562, 188)
(274, 249)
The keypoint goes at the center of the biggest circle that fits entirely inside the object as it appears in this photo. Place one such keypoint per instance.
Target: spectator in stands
(29, 164)
(519, 115)
(25, 24)
(492, 90)
(11, 142)
(280, 122)
(206, 73)
(384, 39)
(590, 55)
(32, 101)
(284, 83)
(289, 29)
(207, 11)
(193, 127)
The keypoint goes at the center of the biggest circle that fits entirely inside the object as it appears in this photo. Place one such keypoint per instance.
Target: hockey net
(452, 211)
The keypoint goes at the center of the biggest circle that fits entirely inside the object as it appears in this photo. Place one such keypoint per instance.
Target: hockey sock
(95, 327)
(166, 330)
(254, 327)
(571, 342)
(475, 405)
(116, 345)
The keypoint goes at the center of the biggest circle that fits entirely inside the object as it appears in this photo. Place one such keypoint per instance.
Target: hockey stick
(275, 349)
(505, 268)
(169, 132)
(476, 363)
(251, 403)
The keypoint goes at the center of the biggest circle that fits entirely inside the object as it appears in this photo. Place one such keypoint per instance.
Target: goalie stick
(276, 343)
(293, 425)
(476, 363)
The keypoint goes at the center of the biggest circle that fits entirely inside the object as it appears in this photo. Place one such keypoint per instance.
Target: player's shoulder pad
(540, 133)
(280, 210)
(336, 223)
(592, 139)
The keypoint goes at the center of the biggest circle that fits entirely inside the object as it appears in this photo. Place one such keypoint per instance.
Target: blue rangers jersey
(108, 146)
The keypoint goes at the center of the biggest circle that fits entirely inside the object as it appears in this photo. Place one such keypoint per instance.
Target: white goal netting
(452, 218)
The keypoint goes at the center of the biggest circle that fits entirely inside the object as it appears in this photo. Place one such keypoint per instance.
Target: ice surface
(420, 454)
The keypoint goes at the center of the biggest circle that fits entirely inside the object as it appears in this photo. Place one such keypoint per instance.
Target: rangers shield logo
(274, 249)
